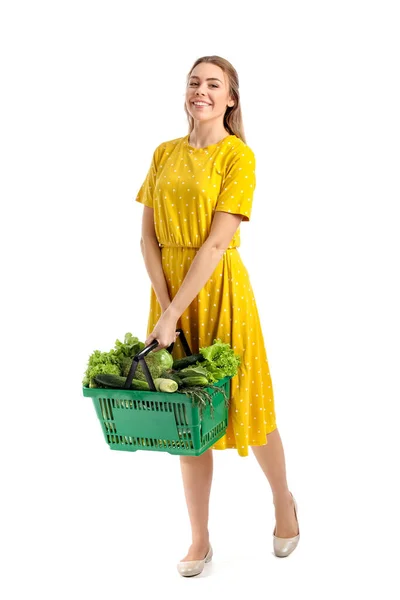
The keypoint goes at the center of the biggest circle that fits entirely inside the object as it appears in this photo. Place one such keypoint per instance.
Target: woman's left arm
(205, 262)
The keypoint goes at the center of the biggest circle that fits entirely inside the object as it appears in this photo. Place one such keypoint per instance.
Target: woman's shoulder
(165, 148)
(238, 153)
(169, 144)
(238, 145)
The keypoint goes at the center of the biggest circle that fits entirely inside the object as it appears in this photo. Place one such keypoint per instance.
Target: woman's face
(208, 84)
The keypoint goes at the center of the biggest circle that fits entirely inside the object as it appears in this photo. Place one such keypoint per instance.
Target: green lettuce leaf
(220, 360)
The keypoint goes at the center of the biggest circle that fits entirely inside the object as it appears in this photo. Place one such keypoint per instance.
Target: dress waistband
(193, 247)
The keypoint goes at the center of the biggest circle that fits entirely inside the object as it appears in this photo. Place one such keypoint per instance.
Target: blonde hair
(233, 121)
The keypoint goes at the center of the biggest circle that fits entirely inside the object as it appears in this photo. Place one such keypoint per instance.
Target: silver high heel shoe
(285, 546)
(189, 568)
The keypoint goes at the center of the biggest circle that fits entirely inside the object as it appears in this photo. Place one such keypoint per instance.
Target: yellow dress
(184, 186)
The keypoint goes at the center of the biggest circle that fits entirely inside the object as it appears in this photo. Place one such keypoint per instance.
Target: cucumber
(138, 384)
(198, 380)
(118, 382)
(187, 361)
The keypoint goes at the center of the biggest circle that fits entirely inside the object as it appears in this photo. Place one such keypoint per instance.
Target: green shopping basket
(160, 421)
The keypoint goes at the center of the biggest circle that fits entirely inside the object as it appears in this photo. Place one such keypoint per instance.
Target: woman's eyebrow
(208, 78)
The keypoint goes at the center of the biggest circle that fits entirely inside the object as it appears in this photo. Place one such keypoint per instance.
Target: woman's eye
(194, 83)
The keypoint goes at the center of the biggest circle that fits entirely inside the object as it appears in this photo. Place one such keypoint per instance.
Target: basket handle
(140, 357)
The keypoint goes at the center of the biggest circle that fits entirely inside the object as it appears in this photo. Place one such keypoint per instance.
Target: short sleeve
(238, 185)
(145, 194)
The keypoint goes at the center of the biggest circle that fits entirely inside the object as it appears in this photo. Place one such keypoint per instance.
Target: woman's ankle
(283, 497)
(199, 539)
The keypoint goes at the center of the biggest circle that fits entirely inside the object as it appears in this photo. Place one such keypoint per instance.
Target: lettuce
(220, 360)
(128, 348)
(100, 363)
(115, 362)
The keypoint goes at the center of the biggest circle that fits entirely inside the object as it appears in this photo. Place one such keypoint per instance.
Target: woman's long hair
(233, 121)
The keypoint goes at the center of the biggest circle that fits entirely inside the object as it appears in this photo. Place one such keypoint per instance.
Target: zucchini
(187, 361)
(165, 385)
(118, 382)
(198, 380)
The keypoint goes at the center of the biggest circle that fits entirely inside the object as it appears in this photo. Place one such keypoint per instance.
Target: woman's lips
(200, 105)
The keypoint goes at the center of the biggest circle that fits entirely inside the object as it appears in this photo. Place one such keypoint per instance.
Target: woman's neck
(200, 138)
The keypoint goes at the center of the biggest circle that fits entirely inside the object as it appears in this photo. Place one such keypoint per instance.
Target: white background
(89, 89)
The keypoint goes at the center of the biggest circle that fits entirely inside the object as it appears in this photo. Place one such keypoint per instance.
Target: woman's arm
(151, 252)
(222, 230)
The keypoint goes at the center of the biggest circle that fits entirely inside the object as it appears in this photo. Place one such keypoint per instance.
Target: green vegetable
(220, 360)
(100, 363)
(197, 380)
(137, 384)
(126, 363)
(126, 350)
(214, 362)
(116, 362)
(118, 382)
(165, 385)
(171, 375)
(201, 396)
(187, 361)
(157, 362)
(192, 372)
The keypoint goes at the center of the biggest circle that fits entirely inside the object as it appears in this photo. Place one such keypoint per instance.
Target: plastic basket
(160, 421)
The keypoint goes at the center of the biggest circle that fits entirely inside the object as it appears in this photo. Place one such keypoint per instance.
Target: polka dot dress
(185, 186)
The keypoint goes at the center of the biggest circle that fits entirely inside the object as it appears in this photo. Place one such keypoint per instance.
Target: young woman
(198, 190)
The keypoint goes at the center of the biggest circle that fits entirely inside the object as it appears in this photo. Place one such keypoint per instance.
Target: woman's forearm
(200, 271)
(152, 259)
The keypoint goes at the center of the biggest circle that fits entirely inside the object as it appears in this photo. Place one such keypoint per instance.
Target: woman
(198, 190)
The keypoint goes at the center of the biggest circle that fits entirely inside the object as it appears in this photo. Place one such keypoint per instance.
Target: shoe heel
(209, 555)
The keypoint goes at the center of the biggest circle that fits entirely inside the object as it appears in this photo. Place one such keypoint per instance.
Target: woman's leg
(271, 459)
(197, 472)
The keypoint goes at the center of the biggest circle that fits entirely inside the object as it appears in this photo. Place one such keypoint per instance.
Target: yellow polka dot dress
(185, 186)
